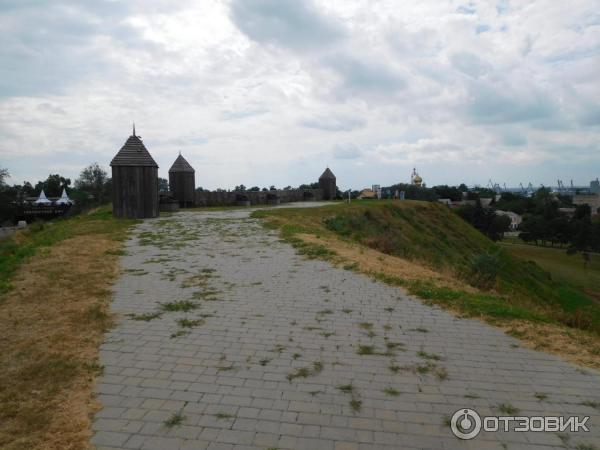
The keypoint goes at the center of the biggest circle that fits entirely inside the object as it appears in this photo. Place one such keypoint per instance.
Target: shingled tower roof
(133, 153)
(181, 165)
(327, 175)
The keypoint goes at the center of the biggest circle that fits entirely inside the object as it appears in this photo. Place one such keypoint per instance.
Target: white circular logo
(465, 424)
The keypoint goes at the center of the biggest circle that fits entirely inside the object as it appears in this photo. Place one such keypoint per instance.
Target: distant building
(367, 193)
(595, 186)
(593, 200)
(486, 202)
(327, 182)
(377, 189)
(569, 212)
(182, 183)
(135, 181)
(515, 219)
(415, 178)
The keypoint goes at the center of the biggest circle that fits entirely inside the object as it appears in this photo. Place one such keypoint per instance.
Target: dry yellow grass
(577, 346)
(371, 261)
(52, 324)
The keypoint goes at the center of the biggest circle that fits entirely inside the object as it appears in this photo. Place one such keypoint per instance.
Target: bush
(485, 220)
(484, 269)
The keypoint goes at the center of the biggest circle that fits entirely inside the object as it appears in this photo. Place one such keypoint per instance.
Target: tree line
(92, 187)
(548, 218)
(544, 223)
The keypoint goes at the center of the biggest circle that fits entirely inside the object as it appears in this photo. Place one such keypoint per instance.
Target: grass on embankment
(562, 266)
(435, 255)
(55, 289)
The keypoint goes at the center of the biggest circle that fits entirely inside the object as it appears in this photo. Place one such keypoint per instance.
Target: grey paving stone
(109, 438)
(277, 335)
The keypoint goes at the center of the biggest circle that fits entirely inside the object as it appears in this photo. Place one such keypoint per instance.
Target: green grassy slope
(562, 266)
(432, 235)
(412, 230)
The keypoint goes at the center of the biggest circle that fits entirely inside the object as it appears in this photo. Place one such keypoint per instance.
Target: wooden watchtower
(182, 182)
(134, 181)
(327, 183)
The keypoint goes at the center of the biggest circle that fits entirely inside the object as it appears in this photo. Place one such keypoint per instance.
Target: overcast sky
(265, 92)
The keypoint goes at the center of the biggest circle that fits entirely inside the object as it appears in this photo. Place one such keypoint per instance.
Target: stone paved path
(270, 358)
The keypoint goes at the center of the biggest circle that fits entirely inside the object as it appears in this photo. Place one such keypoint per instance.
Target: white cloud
(334, 123)
(347, 151)
(267, 92)
(288, 23)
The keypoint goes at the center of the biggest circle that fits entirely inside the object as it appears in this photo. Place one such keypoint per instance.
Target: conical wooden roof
(181, 165)
(327, 175)
(133, 153)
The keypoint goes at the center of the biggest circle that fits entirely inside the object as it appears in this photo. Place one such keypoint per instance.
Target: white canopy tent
(64, 199)
(42, 199)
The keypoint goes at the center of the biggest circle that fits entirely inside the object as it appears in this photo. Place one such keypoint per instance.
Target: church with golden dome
(415, 179)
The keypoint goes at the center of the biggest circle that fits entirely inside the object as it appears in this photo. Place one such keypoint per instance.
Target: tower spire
(134, 128)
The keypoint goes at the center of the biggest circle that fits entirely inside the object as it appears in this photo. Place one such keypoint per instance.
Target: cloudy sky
(267, 92)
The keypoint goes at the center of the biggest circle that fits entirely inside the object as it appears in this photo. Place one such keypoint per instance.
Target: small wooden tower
(134, 181)
(182, 182)
(328, 185)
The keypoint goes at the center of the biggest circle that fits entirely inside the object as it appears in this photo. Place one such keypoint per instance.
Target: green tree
(584, 234)
(412, 192)
(4, 174)
(558, 230)
(163, 185)
(309, 186)
(497, 226)
(583, 212)
(451, 192)
(515, 203)
(485, 220)
(532, 228)
(53, 185)
(94, 180)
(27, 189)
(7, 197)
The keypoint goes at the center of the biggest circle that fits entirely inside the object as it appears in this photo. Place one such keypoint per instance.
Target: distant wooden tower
(328, 185)
(182, 182)
(134, 181)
